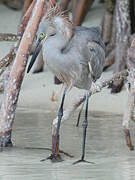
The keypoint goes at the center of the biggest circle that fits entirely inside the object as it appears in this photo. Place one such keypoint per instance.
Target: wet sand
(32, 128)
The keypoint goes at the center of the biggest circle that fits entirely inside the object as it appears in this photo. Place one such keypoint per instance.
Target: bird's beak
(34, 56)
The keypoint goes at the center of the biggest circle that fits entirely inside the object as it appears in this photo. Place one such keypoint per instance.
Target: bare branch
(97, 88)
(7, 59)
(8, 37)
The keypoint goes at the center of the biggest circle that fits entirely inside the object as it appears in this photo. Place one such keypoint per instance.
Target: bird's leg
(79, 115)
(55, 146)
(84, 125)
(55, 156)
(55, 138)
(55, 143)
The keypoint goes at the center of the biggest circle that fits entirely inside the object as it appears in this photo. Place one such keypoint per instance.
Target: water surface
(105, 147)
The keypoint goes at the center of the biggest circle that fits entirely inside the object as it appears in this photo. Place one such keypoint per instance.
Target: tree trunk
(132, 14)
(12, 88)
(27, 3)
(107, 23)
(129, 113)
(108, 31)
(79, 10)
(64, 4)
(123, 32)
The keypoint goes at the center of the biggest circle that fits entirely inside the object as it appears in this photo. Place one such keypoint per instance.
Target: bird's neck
(63, 27)
(57, 43)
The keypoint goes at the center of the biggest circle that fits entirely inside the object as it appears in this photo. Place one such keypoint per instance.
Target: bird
(75, 55)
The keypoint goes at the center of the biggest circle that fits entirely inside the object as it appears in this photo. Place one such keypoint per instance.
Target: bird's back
(90, 49)
(74, 55)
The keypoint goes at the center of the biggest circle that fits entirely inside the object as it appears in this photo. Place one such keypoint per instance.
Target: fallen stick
(95, 89)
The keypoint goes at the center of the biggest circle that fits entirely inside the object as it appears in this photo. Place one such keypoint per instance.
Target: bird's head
(45, 30)
(55, 22)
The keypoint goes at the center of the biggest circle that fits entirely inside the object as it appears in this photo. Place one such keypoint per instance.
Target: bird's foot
(82, 160)
(54, 158)
(49, 149)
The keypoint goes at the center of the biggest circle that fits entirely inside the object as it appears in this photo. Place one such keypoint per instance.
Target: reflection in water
(105, 147)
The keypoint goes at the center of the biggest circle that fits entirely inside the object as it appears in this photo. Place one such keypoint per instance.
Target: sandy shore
(37, 88)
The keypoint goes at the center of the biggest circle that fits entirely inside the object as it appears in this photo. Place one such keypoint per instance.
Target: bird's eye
(92, 49)
(42, 36)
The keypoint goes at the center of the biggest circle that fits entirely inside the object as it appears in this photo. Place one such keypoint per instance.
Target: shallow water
(105, 147)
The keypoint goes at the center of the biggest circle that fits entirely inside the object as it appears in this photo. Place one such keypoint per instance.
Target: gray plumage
(74, 54)
(76, 60)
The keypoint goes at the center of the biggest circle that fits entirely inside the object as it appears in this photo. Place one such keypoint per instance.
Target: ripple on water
(105, 147)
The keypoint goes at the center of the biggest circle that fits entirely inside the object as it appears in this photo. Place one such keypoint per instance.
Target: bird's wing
(96, 59)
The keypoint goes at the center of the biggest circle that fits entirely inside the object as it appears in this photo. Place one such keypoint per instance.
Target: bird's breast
(63, 66)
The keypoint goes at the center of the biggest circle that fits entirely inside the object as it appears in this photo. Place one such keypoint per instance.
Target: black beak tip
(28, 70)
(34, 56)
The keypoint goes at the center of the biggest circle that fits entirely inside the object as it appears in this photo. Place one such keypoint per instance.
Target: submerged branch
(8, 37)
(5, 61)
(97, 88)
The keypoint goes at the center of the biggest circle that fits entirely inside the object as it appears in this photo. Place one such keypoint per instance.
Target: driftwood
(97, 88)
(16, 75)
